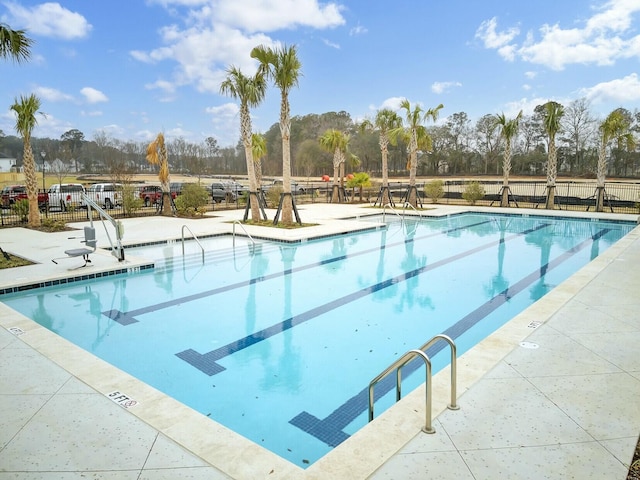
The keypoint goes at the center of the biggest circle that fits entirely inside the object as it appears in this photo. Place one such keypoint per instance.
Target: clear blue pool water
(279, 341)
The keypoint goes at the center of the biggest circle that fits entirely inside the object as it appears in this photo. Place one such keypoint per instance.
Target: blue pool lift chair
(91, 244)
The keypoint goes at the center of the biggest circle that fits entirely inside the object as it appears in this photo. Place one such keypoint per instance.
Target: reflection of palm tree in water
(499, 283)
(287, 368)
(338, 249)
(391, 290)
(164, 276)
(259, 264)
(41, 315)
(411, 262)
(595, 248)
(544, 240)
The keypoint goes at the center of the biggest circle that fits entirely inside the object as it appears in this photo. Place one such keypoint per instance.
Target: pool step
(239, 252)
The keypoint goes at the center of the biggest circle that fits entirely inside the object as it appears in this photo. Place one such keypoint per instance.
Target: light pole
(43, 154)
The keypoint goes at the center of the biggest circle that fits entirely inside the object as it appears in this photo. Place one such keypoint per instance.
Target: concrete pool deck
(553, 394)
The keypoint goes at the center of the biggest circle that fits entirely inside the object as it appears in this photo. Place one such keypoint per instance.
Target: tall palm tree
(418, 138)
(386, 120)
(26, 109)
(336, 142)
(284, 68)
(14, 44)
(552, 113)
(250, 91)
(508, 130)
(615, 127)
(157, 155)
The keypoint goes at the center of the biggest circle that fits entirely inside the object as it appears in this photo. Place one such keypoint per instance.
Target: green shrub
(21, 209)
(53, 225)
(473, 192)
(193, 200)
(273, 196)
(434, 190)
(131, 202)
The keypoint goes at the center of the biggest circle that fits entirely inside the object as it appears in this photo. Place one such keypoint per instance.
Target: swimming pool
(247, 339)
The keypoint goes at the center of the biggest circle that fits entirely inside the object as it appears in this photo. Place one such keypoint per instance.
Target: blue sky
(134, 68)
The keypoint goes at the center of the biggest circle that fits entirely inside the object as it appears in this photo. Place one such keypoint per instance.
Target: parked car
(14, 193)
(296, 188)
(152, 194)
(107, 195)
(222, 192)
(65, 195)
(177, 187)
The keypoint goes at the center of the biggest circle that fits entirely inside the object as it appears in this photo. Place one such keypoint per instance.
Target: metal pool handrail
(195, 238)
(397, 366)
(384, 211)
(245, 231)
(406, 358)
(407, 204)
(454, 365)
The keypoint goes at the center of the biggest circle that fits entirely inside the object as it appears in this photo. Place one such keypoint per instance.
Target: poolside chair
(90, 242)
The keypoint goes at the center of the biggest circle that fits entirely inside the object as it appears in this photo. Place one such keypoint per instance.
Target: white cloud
(493, 39)
(92, 95)
(52, 95)
(219, 33)
(272, 15)
(331, 44)
(225, 111)
(392, 103)
(527, 105)
(603, 39)
(442, 87)
(226, 120)
(530, 75)
(622, 90)
(358, 30)
(49, 20)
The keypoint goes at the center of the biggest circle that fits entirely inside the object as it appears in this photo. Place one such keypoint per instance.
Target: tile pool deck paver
(567, 409)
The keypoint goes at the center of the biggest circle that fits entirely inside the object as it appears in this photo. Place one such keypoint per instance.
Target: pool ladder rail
(405, 359)
(186, 227)
(404, 208)
(195, 238)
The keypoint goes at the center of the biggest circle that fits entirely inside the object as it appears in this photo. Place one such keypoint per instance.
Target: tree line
(460, 147)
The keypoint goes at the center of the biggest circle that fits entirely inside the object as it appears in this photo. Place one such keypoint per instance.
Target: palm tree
(157, 155)
(259, 150)
(508, 130)
(552, 113)
(386, 120)
(283, 67)
(250, 91)
(26, 109)
(337, 142)
(418, 138)
(14, 44)
(615, 127)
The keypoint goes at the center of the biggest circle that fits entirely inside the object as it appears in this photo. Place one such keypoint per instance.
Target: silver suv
(65, 195)
(107, 195)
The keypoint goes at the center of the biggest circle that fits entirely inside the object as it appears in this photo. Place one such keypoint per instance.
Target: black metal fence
(620, 197)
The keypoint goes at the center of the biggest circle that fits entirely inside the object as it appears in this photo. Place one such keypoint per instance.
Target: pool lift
(117, 250)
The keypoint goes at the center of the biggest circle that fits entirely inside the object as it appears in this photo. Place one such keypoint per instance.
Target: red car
(152, 194)
(14, 193)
